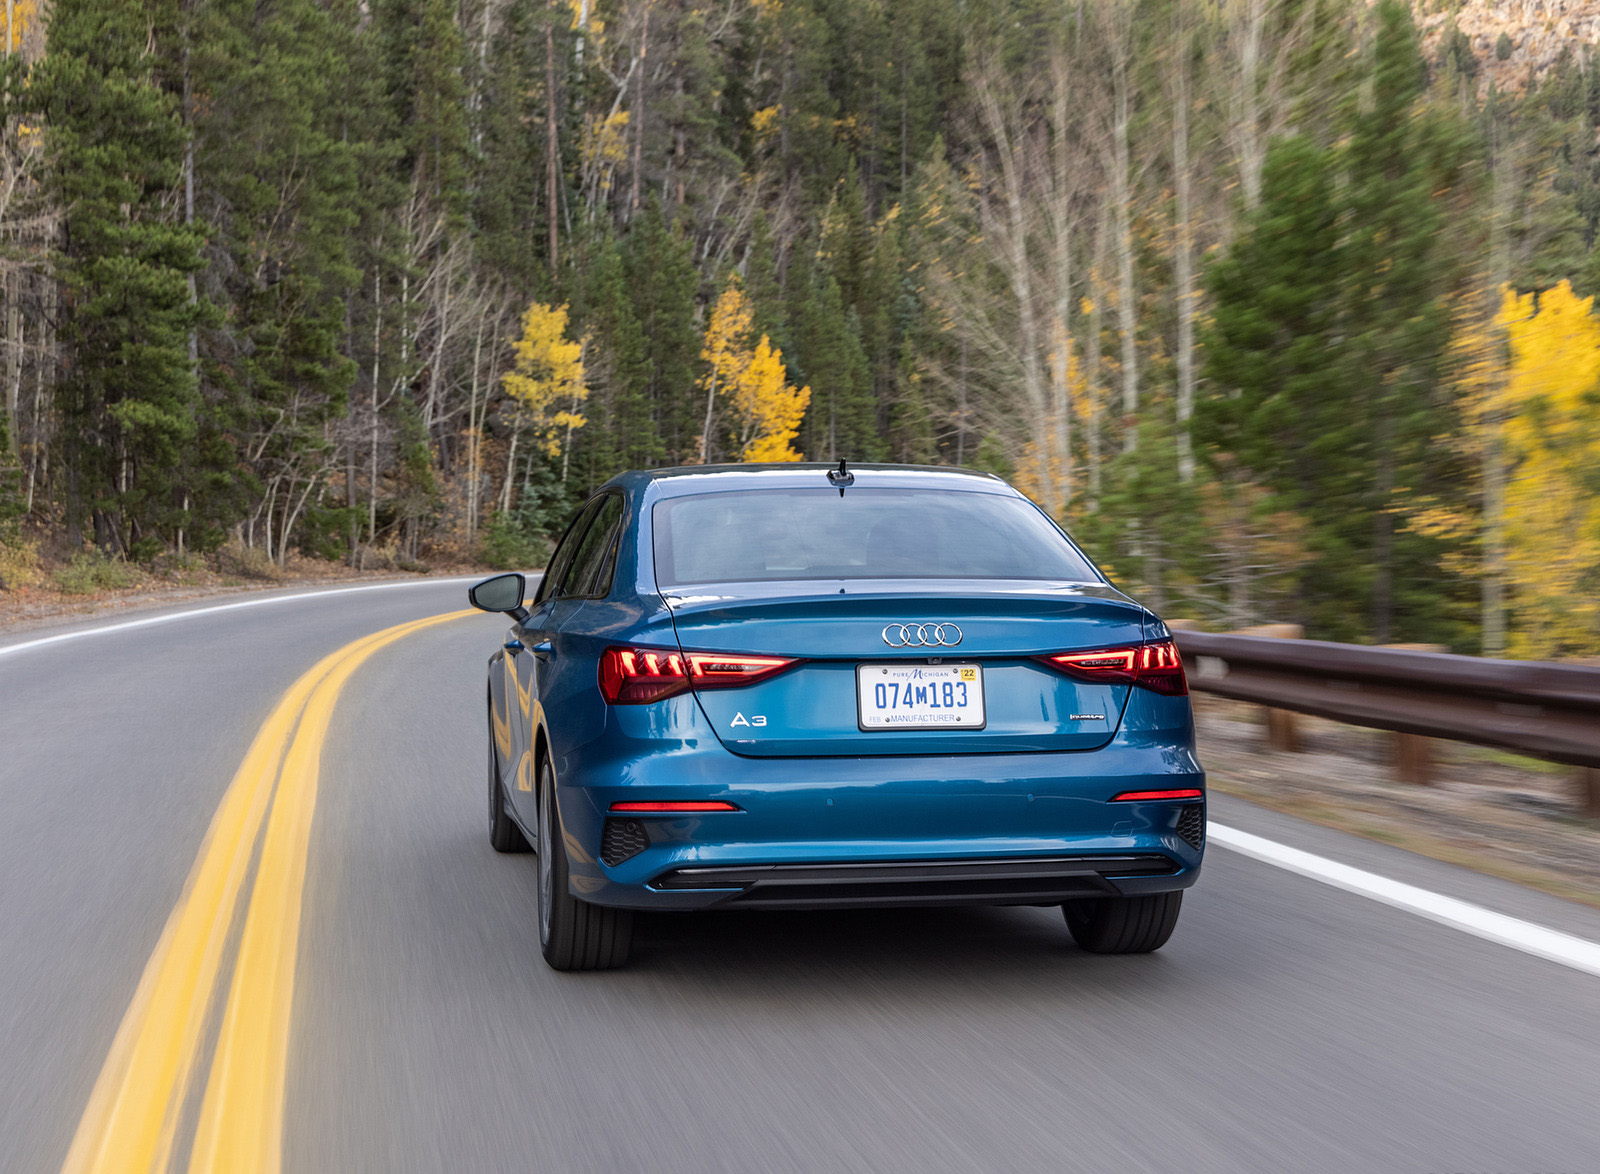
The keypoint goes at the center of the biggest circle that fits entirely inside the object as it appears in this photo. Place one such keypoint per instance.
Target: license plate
(919, 696)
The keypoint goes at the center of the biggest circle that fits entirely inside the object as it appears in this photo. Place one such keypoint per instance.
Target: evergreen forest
(1281, 307)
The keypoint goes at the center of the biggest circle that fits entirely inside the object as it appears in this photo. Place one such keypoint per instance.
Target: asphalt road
(1288, 1026)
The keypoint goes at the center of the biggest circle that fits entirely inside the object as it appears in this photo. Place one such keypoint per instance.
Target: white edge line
(1578, 953)
(169, 617)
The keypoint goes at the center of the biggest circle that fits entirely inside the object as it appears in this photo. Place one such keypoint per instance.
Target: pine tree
(1276, 407)
(622, 433)
(1325, 349)
(842, 417)
(128, 395)
(661, 273)
(1394, 319)
(505, 185)
(426, 64)
(279, 179)
(769, 314)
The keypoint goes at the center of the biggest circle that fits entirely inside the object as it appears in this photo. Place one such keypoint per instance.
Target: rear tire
(573, 934)
(1123, 925)
(504, 834)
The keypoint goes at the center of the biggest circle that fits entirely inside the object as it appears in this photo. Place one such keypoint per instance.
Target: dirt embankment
(41, 591)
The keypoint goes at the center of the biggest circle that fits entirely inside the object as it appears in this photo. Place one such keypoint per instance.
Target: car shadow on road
(936, 945)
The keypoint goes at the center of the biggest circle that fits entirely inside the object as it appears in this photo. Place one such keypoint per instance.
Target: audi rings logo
(922, 635)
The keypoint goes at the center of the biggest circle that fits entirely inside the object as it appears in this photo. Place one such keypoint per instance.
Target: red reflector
(1141, 796)
(1155, 666)
(637, 676)
(672, 806)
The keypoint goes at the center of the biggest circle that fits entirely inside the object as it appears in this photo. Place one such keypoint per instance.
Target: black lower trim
(1029, 881)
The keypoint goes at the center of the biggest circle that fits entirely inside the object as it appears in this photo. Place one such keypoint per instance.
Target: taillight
(1155, 666)
(634, 676)
(1148, 796)
(637, 676)
(672, 806)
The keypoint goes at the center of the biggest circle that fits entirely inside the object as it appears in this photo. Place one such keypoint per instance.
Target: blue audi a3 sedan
(806, 687)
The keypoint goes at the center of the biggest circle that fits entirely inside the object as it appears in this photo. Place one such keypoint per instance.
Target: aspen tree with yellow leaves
(546, 383)
(767, 410)
(1552, 434)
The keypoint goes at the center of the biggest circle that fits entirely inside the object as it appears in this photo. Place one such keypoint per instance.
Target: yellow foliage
(547, 380)
(1552, 436)
(1039, 464)
(19, 563)
(767, 409)
(23, 14)
(605, 140)
(765, 122)
(728, 336)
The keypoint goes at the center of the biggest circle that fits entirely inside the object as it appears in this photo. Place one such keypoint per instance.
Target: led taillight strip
(638, 676)
(1155, 665)
(671, 807)
(1150, 796)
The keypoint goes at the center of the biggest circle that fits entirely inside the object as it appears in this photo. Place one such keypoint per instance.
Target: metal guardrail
(1549, 711)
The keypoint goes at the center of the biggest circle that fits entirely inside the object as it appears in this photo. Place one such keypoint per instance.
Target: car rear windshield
(782, 534)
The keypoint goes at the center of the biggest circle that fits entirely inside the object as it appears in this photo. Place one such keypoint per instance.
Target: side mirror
(503, 593)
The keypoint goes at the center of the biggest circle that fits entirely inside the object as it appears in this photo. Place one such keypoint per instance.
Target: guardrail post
(1413, 759)
(1413, 753)
(1588, 791)
(1283, 731)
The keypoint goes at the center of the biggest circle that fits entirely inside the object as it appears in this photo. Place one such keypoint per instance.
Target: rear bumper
(928, 830)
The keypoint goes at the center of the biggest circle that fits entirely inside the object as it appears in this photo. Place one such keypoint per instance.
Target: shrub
(91, 571)
(248, 562)
(19, 562)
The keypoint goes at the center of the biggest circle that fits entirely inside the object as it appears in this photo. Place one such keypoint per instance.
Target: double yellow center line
(132, 1120)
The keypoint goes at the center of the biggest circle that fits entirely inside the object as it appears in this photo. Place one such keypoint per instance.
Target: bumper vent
(621, 840)
(1192, 825)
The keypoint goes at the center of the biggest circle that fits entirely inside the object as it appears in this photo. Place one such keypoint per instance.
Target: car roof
(688, 479)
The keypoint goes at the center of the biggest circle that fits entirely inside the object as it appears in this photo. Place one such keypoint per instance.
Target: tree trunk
(961, 408)
(1122, 209)
(1495, 474)
(511, 465)
(1091, 365)
(474, 439)
(638, 115)
(552, 143)
(13, 371)
(1061, 327)
(1383, 521)
(377, 356)
(705, 435)
(1183, 251)
(1015, 257)
(1250, 147)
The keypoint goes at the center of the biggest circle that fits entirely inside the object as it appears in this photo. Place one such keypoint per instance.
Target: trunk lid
(997, 627)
